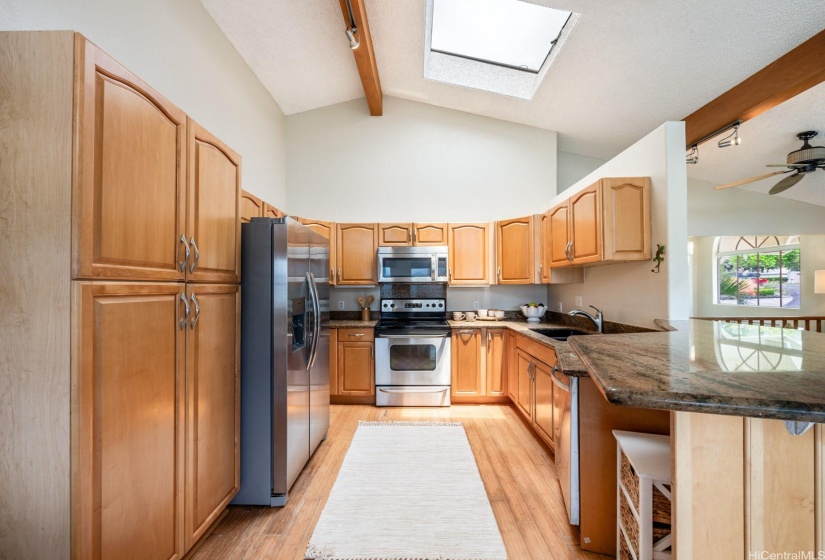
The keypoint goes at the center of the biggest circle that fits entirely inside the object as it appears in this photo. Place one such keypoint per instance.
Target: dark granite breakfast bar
(712, 367)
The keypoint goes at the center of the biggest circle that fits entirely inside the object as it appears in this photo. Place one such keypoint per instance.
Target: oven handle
(414, 390)
(423, 335)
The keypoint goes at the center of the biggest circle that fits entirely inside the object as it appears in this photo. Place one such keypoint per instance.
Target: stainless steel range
(412, 353)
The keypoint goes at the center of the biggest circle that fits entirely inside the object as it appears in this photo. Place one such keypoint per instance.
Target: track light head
(353, 42)
(731, 139)
(693, 155)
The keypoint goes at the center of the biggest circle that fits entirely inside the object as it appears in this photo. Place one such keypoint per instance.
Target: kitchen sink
(560, 334)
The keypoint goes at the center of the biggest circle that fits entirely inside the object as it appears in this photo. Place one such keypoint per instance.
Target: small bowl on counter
(533, 314)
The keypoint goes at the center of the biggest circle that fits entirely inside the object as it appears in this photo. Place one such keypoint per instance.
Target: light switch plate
(475, 304)
(578, 301)
(340, 305)
(561, 307)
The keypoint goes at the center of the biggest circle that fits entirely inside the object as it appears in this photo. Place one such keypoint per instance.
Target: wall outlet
(561, 307)
(475, 304)
(578, 301)
(340, 305)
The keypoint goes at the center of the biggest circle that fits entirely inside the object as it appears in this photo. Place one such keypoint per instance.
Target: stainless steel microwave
(412, 265)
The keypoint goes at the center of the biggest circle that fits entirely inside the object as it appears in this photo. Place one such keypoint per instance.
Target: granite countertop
(568, 360)
(352, 324)
(712, 367)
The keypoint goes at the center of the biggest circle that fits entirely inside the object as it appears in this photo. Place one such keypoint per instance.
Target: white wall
(418, 162)
(178, 49)
(573, 167)
(630, 292)
(740, 212)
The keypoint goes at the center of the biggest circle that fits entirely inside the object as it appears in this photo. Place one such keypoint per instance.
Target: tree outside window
(758, 271)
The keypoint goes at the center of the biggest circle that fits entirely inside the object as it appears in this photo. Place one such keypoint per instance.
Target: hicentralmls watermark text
(798, 555)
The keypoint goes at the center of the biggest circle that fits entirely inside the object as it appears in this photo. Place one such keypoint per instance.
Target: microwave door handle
(434, 267)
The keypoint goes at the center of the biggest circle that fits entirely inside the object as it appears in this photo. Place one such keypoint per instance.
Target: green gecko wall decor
(660, 256)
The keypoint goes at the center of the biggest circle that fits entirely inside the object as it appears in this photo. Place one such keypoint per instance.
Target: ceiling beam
(365, 56)
(796, 71)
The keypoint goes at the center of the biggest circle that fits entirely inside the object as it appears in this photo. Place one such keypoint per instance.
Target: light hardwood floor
(517, 471)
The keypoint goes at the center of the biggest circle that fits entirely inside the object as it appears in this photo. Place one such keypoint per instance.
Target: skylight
(510, 33)
(500, 46)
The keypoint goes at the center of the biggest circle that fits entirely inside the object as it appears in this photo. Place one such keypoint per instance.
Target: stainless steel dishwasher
(566, 403)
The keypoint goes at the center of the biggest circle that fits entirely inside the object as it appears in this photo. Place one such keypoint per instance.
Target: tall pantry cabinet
(121, 253)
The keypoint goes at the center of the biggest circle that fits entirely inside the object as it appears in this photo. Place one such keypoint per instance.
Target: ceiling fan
(806, 159)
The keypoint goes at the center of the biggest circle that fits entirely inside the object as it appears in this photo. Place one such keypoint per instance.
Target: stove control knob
(392, 305)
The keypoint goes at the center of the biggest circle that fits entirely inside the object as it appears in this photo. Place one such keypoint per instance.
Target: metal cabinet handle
(339, 275)
(541, 269)
(409, 235)
(415, 236)
(332, 275)
(195, 302)
(197, 254)
(186, 314)
(357, 334)
(449, 274)
(182, 264)
(498, 273)
(570, 250)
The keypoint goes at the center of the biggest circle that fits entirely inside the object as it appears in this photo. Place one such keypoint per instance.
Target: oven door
(412, 359)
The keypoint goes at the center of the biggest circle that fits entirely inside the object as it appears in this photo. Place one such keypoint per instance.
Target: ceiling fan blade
(787, 165)
(786, 183)
(750, 180)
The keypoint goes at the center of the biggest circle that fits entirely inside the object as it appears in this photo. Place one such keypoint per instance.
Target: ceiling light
(728, 141)
(352, 30)
(693, 155)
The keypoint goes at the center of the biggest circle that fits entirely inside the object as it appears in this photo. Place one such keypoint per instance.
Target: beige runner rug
(408, 491)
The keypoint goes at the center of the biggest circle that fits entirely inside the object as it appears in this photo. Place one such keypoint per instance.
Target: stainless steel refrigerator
(284, 355)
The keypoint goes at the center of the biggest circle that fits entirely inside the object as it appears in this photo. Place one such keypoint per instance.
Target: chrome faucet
(598, 320)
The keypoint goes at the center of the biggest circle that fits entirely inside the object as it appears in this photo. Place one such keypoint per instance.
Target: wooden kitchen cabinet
(271, 211)
(469, 245)
(128, 433)
(327, 229)
(514, 251)
(544, 242)
(212, 405)
(251, 207)
(353, 364)
(609, 221)
(479, 365)
(467, 373)
(412, 234)
(213, 215)
(496, 367)
(130, 191)
(534, 391)
(355, 254)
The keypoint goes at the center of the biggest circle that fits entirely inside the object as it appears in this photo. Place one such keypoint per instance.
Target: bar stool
(643, 497)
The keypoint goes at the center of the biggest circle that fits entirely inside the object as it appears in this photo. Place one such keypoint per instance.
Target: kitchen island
(745, 485)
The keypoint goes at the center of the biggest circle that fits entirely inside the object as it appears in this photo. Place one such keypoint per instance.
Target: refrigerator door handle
(316, 319)
(317, 306)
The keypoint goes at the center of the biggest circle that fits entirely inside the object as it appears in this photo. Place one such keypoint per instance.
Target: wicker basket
(661, 506)
(630, 481)
(624, 550)
(629, 522)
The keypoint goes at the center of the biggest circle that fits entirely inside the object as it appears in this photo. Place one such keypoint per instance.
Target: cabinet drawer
(537, 350)
(356, 335)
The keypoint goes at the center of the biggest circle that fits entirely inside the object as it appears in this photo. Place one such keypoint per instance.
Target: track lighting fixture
(728, 141)
(352, 30)
(693, 155)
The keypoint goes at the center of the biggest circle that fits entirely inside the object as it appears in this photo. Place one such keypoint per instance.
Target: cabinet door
(524, 385)
(558, 225)
(514, 251)
(626, 218)
(272, 211)
(213, 213)
(327, 229)
(333, 363)
(355, 254)
(356, 369)
(585, 225)
(212, 405)
(395, 235)
(466, 364)
(496, 362)
(512, 367)
(543, 413)
(469, 254)
(429, 234)
(251, 207)
(129, 194)
(128, 420)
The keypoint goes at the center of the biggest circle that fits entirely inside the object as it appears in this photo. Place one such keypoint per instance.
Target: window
(500, 46)
(758, 271)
